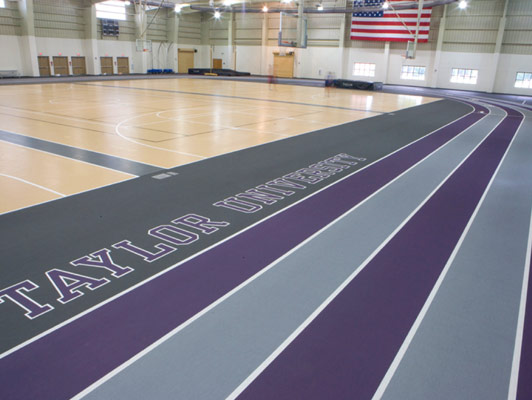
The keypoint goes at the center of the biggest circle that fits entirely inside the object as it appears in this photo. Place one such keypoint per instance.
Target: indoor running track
(385, 258)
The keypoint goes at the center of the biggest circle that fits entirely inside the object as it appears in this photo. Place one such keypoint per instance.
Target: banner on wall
(389, 25)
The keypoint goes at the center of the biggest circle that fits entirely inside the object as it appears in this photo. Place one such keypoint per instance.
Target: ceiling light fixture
(385, 5)
(265, 9)
(217, 14)
(462, 5)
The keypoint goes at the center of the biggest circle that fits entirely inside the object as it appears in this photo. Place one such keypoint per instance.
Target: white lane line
(37, 337)
(514, 377)
(413, 330)
(32, 184)
(340, 288)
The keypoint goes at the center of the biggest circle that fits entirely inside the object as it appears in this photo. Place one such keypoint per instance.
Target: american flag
(388, 25)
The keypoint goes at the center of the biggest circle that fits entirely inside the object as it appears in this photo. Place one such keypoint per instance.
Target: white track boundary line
(179, 328)
(344, 284)
(514, 377)
(6, 353)
(32, 184)
(417, 323)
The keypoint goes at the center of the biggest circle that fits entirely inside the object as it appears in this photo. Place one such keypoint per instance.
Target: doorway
(106, 64)
(217, 63)
(123, 65)
(283, 65)
(78, 66)
(44, 66)
(60, 65)
(185, 60)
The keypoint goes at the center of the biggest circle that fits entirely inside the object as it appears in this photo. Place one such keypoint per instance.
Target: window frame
(111, 9)
(465, 76)
(525, 82)
(364, 69)
(413, 72)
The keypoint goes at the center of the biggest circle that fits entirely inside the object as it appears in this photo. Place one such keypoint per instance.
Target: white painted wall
(248, 59)
(223, 52)
(509, 66)
(397, 61)
(480, 61)
(317, 62)
(313, 62)
(115, 48)
(11, 57)
(373, 56)
(53, 46)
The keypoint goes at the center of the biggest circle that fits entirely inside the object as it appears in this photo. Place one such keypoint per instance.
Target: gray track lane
(463, 348)
(212, 356)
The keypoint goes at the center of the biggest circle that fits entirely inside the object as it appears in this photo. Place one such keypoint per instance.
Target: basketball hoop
(143, 45)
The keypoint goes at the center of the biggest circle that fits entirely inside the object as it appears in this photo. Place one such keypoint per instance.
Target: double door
(106, 64)
(60, 65)
(44, 66)
(78, 66)
(122, 64)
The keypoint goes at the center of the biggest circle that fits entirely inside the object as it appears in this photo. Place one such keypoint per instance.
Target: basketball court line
(92, 121)
(66, 322)
(191, 162)
(238, 97)
(65, 196)
(69, 158)
(224, 127)
(32, 184)
(59, 124)
(117, 130)
(413, 330)
(75, 153)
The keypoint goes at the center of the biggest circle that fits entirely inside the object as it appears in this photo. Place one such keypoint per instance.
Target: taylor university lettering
(71, 285)
(277, 189)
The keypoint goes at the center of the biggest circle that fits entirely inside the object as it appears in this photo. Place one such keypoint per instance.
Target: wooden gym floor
(153, 123)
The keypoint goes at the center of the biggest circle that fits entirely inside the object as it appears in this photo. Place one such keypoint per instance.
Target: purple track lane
(347, 349)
